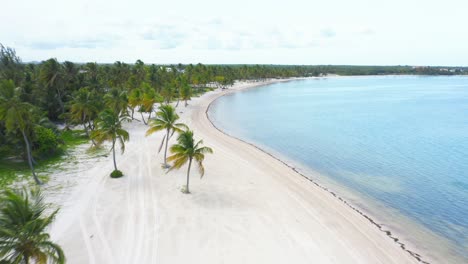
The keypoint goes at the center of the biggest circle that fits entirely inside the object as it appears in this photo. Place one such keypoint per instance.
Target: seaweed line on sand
(354, 208)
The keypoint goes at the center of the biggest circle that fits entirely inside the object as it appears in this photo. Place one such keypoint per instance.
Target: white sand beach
(248, 208)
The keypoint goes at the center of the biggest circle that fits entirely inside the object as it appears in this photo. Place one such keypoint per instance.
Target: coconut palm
(149, 98)
(168, 93)
(165, 119)
(186, 150)
(116, 100)
(83, 109)
(109, 128)
(186, 93)
(17, 116)
(52, 76)
(134, 99)
(23, 223)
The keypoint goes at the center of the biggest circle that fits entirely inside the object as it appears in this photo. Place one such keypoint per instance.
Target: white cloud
(243, 31)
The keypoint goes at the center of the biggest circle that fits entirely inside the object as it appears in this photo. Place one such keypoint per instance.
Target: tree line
(35, 97)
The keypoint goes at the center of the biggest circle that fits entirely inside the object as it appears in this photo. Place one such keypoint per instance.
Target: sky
(354, 32)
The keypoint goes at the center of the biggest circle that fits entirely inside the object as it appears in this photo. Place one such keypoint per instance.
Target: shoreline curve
(380, 226)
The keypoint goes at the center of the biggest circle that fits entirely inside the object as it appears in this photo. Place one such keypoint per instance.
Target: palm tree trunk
(178, 99)
(150, 115)
(113, 153)
(142, 117)
(28, 150)
(91, 125)
(188, 176)
(60, 100)
(186, 103)
(87, 134)
(165, 151)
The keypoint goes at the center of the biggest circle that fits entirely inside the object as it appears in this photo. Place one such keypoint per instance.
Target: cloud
(83, 43)
(216, 34)
(212, 33)
(165, 36)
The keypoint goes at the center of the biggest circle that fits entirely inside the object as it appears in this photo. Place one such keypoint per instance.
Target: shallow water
(401, 140)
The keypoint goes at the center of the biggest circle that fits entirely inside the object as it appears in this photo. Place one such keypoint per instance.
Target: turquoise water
(401, 140)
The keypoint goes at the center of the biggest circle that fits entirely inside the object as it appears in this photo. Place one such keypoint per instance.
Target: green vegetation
(18, 118)
(166, 119)
(23, 221)
(109, 128)
(9, 171)
(35, 97)
(186, 150)
(116, 174)
(72, 138)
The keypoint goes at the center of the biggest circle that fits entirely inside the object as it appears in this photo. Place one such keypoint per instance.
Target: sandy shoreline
(249, 208)
(388, 232)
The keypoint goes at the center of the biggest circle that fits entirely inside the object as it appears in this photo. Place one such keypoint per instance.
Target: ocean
(395, 146)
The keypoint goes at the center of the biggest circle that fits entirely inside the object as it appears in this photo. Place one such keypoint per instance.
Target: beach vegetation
(165, 120)
(185, 152)
(109, 128)
(45, 142)
(23, 234)
(134, 100)
(66, 95)
(186, 93)
(117, 101)
(17, 118)
(148, 99)
(84, 108)
(116, 174)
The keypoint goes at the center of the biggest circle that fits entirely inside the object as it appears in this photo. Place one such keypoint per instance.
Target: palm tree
(109, 128)
(186, 93)
(167, 93)
(149, 98)
(134, 99)
(83, 109)
(186, 150)
(166, 119)
(10, 65)
(70, 73)
(52, 76)
(182, 91)
(23, 236)
(17, 116)
(116, 100)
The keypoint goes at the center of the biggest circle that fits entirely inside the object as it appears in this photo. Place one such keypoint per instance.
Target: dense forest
(36, 97)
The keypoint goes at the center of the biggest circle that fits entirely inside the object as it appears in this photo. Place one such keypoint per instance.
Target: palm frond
(201, 169)
(23, 226)
(178, 163)
(153, 129)
(186, 150)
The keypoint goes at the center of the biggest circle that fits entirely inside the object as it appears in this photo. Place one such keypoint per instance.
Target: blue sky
(361, 32)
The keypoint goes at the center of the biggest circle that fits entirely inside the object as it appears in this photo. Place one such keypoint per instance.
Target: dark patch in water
(460, 185)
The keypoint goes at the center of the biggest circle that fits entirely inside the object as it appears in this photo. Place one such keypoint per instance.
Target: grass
(200, 91)
(12, 170)
(73, 138)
